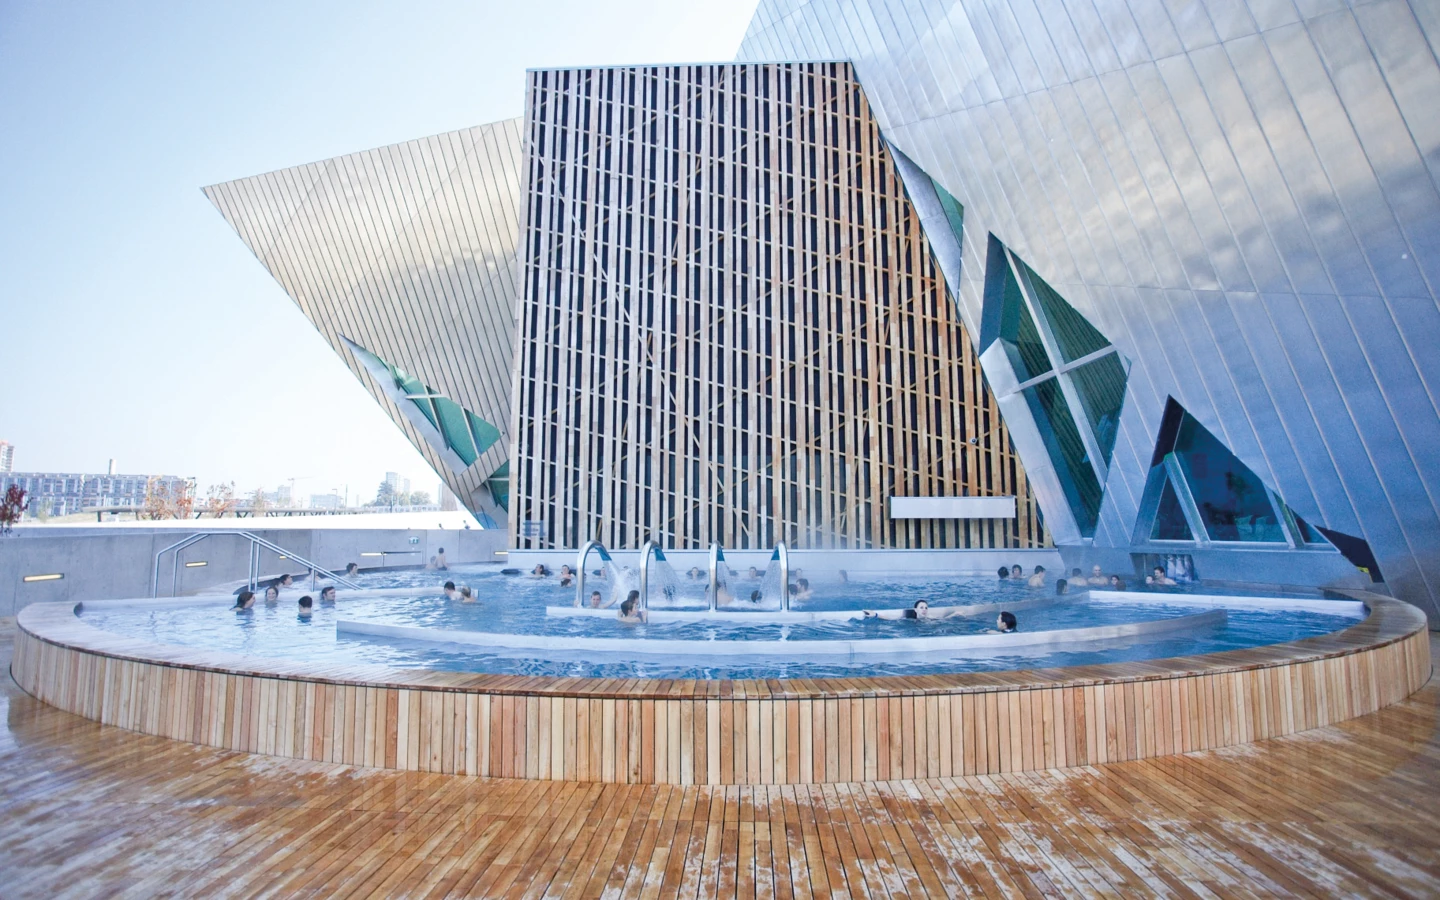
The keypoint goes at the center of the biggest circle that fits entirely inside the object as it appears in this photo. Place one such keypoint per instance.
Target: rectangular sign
(952, 507)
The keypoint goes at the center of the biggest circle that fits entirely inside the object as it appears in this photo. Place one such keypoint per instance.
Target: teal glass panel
(1234, 504)
(1101, 386)
(1308, 533)
(1170, 523)
(482, 432)
(499, 485)
(418, 393)
(1019, 334)
(455, 430)
(1076, 336)
(1067, 453)
(954, 211)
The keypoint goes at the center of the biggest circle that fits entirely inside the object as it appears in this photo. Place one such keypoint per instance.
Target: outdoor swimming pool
(508, 631)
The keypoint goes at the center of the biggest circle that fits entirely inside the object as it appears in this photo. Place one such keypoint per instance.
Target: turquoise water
(516, 604)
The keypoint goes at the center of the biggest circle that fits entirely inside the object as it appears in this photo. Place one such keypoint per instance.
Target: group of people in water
(245, 600)
(1096, 578)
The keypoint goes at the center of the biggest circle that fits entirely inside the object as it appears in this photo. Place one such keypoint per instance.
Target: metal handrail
(256, 543)
(717, 556)
(580, 565)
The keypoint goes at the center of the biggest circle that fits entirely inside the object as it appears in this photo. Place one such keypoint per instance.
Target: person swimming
(272, 595)
(244, 601)
(1005, 623)
(1158, 577)
(1061, 586)
(467, 595)
(695, 573)
(630, 610)
(451, 592)
(921, 610)
(327, 595)
(1116, 583)
(1037, 579)
(1004, 573)
(803, 591)
(539, 571)
(1016, 572)
(307, 606)
(1097, 576)
(596, 600)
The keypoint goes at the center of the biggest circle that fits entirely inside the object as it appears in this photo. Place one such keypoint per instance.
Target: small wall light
(284, 557)
(372, 554)
(55, 576)
(196, 565)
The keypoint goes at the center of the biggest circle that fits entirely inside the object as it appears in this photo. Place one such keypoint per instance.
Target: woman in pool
(695, 573)
(1005, 623)
(244, 601)
(630, 610)
(272, 595)
(1116, 583)
(539, 570)
(467, 595)
(921, 610)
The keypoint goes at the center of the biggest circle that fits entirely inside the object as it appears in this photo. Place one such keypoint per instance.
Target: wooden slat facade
(723, 732)
(732, 327)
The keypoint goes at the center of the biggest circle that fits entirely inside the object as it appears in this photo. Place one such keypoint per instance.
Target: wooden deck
(91, 810)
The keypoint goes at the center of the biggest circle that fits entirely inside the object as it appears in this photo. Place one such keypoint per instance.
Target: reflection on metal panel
(1242, 200)
(409, 251)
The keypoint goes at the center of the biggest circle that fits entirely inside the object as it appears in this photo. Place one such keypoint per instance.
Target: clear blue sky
(134, 323)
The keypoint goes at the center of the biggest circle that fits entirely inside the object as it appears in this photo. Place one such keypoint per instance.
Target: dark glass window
(1101, 386)
(1170, 523)
(1234, 504)
(1308, 533)
(1020, 336)
(1072, 332)
(954, 212)
(1067, 451)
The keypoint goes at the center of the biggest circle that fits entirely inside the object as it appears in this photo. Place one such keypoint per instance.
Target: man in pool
(1004, 573)
(921, 610)
(1157, 576)
(327, 595)
(307, 606)
(630, 611)
(440, 560)
(1037, 579)
(450, 591)
(1097, 576)
(467, 595)
(753, 573)
(596, 600)
(802, 589)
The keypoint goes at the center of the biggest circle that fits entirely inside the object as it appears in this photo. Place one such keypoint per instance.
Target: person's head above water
(327, 594)
(919, 611)
(1039, 570)
(1016, 571)
(1006, 621)
(307, 603)
(1061, 586)
(596, 599)
(272, 593)
(754, 572)
(285, 580)
(351, 569)
(449, 585)
(632, 602)
(1095, 571)
(244, 599)
(1004, 573)
(466, 593)
(1075, 573)
(755, 597)
(566, 570)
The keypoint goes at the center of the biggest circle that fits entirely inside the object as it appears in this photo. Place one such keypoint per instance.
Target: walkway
(88, 810)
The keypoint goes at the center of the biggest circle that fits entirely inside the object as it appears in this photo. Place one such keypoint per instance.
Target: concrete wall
(118, 562)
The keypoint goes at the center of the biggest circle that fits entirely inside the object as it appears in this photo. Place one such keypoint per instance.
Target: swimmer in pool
(327, 595)
(539, 571)
(1004, 573)
(451, 593)
(1004, 624)
(803, 591)
(596, 601)
(467, 595)
(921, 610)
(1158, 576)
(1097, 577)
(1016, 572)
(1037, 579)
(630, 611)
(272, 595)
(307, 606)
(244, 601)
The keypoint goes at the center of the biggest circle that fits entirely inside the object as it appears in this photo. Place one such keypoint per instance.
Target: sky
(134, 323)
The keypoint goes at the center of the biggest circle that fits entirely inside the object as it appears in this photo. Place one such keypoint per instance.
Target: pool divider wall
(723, 732)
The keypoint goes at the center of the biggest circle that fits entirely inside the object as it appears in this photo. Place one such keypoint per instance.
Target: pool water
(516, 605)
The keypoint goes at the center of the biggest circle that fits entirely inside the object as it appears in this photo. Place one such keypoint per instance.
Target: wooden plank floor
(88, 810)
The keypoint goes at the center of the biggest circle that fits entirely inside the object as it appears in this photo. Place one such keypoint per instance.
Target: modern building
(62, 494)
(7, 456)
(1192, 248)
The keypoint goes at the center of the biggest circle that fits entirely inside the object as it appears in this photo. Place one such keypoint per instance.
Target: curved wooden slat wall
(722, 732)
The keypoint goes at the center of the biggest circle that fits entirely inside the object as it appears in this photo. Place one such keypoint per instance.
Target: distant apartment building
(61, 494)
(7, 456)
(326, 501)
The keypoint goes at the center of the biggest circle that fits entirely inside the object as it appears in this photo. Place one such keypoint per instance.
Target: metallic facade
(1241, 196)
(732, 326)
(404, 258)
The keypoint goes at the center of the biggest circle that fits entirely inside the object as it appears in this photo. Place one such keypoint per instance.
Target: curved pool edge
(722, 732)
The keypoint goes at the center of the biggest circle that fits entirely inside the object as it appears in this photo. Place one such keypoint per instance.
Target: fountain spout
(580, 566)
(717, 559)
(782, 556)
(650, 549)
